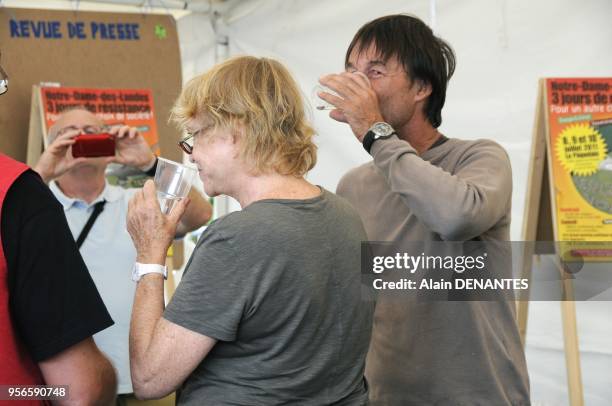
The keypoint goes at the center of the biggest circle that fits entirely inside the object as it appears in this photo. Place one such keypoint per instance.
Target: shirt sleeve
(212, 294)
(458, 206)
(53, 300)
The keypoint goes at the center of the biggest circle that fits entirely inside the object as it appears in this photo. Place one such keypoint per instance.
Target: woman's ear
(236, 135)
(238, 132)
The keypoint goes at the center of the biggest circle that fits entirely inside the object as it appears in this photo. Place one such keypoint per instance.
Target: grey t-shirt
(278, 285)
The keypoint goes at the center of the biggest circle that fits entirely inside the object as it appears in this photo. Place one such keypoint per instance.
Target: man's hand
(357, 104)
(131, 148)
(57, 158)
(152, 231)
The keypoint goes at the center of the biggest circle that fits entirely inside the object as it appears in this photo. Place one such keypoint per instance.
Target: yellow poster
(580, 143)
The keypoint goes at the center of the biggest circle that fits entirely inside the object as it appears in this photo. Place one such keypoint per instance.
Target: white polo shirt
(109, 254)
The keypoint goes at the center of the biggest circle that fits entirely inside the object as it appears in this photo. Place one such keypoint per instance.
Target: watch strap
(370, 137)
(368, 140)
(140, 270)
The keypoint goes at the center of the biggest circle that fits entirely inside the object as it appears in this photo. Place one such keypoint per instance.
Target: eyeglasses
(87, 129)
(186, 143)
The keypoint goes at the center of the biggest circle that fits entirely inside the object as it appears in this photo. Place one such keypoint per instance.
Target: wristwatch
(140, 270)
(380, 130)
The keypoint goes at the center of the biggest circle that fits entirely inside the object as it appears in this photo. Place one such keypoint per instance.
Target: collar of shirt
(109, 193)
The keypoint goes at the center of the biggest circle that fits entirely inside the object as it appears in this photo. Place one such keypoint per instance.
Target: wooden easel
(539, 224)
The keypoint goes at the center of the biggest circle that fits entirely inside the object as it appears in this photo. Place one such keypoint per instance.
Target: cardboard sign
(580, 144)
(86, 50)
(132, 107)
(569, 193)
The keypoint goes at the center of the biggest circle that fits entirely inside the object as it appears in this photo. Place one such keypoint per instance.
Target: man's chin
(91, 163)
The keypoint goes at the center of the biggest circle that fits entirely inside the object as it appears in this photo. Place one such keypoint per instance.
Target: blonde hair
(259, 96)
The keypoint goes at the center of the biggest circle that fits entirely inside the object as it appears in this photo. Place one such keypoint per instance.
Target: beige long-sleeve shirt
(442, 353)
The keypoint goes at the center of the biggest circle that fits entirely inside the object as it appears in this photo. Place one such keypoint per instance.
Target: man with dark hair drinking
(423, 186)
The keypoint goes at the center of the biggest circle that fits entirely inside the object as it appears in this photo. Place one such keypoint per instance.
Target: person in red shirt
(49, 305)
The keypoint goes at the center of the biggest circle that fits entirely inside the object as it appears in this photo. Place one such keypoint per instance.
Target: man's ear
(423, 90)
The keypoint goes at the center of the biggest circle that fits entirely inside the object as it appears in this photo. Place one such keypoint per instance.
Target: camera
(93, 145)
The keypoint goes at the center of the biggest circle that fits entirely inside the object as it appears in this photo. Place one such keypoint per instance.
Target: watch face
(382, 130)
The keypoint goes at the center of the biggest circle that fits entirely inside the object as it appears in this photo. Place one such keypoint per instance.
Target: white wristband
(140, 270)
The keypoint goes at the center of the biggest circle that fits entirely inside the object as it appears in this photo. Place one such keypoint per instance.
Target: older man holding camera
(96, 213)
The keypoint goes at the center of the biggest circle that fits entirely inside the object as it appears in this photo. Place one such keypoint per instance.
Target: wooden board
(72, 48)
(539, 224)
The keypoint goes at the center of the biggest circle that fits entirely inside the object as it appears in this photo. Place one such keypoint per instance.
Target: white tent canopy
(503, 47)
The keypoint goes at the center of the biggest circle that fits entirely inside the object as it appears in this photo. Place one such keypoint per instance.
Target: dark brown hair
(423, 56)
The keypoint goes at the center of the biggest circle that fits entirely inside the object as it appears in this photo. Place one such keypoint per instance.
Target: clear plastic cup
(319, 103)
(173, 182)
